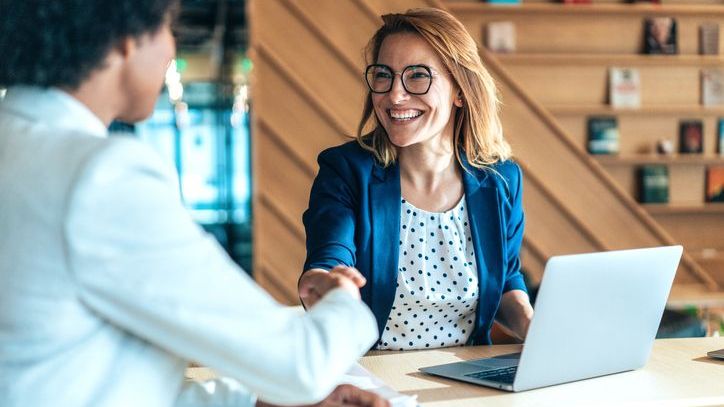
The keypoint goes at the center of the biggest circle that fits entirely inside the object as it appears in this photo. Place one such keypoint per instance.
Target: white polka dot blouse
(437, 284)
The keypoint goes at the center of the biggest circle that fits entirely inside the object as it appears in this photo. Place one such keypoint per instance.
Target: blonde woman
(428, 205)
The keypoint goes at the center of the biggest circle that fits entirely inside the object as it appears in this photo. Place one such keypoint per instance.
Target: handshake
(316, 283)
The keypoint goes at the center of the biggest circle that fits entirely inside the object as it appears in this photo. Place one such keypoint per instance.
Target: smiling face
(415, 119)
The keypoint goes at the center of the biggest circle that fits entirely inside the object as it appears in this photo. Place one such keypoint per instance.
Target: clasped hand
(315, 283)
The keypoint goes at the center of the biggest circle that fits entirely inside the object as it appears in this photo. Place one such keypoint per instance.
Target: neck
(98, 94)
(427, 166)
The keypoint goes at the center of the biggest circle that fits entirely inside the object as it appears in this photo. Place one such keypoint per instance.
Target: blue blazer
(354, 219)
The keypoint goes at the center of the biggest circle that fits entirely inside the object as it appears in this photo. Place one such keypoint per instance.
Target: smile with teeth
(404, 115)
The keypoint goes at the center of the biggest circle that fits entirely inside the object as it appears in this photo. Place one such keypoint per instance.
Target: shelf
(688, 295)
(675, 209)
(595, 10)
(611, 59)
(667, 110)
(710, 254)
(666, 2)
(674, 159)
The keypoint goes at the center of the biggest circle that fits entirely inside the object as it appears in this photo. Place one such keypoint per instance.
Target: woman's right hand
(315, 283)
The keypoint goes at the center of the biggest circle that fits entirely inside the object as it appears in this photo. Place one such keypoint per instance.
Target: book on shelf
(500, 36)
(691, 136)
(603, 135)
(624, 87)
(660, 35)
(712, 87)
(720, 137)
(715, 184)
(709, 38)
(653, 183)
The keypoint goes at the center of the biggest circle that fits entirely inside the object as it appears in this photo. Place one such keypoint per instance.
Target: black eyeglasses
(416, 79)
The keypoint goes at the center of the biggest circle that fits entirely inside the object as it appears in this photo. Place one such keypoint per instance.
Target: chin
(135, 116)
(400, 142)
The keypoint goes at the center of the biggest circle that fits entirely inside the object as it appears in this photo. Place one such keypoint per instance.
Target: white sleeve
(221, 392)
(144, 265)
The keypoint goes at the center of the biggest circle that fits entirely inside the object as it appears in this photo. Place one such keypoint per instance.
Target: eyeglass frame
(429, 70)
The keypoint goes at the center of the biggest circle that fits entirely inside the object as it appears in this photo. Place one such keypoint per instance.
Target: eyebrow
(432, 67)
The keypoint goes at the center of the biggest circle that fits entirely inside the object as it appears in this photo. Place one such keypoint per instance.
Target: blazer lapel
(385, 198)
(485, 227)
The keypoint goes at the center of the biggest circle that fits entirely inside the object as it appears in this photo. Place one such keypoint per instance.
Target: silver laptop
(596, 314)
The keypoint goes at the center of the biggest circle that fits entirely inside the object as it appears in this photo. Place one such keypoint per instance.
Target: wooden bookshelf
(649, 110)
(563, 56)
(597, 9)
(673, 159)
(674, 209)
(632, 60)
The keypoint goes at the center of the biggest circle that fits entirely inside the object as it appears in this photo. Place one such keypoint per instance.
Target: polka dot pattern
(437, 282)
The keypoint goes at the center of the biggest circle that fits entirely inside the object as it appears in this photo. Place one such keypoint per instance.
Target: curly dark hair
(61, 42)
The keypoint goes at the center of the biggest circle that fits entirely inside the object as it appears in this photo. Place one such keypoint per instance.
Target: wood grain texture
(677, 373)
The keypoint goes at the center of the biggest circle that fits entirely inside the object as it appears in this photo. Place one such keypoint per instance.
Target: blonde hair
(478, 131)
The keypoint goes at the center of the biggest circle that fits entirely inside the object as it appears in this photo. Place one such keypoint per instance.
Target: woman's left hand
(515, 313)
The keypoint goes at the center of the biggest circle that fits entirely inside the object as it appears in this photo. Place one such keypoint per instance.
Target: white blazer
(108, 288)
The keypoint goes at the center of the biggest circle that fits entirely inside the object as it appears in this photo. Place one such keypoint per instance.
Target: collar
(54, 108)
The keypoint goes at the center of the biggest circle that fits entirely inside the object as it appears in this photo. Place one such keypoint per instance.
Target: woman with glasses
(426, 205)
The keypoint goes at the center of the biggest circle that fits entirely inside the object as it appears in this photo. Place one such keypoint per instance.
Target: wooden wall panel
(285, 183)
(702, 231)
(286, 118)
(554, 234)
(310, 64)
(348, 40)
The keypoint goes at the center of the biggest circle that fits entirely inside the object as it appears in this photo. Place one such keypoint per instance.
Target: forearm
(515, 312)
(218, 392)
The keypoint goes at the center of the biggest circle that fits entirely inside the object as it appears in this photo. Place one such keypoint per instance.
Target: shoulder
(123, 155)
(350, 151)
(349, 157)
(122, 164)
(509, 170)
(500, 173)
(506, 176)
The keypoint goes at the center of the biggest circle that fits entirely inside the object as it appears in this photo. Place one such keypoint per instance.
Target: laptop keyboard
(505, 375)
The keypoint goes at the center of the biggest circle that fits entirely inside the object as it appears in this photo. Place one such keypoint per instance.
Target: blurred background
(201, 123)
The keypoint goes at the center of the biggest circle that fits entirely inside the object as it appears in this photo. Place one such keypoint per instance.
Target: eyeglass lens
(416, 79)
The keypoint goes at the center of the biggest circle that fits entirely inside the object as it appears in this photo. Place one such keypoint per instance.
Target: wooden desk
(677, 374)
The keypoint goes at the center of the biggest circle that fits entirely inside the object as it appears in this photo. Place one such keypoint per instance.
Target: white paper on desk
(360, 377)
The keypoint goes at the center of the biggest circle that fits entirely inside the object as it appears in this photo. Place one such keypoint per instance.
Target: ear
(126, 48)
(458, 99)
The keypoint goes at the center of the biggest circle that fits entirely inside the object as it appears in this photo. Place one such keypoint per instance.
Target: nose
(398, 94)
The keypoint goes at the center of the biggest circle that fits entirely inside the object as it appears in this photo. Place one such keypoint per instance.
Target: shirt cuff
(515, 283)
(363, 319)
